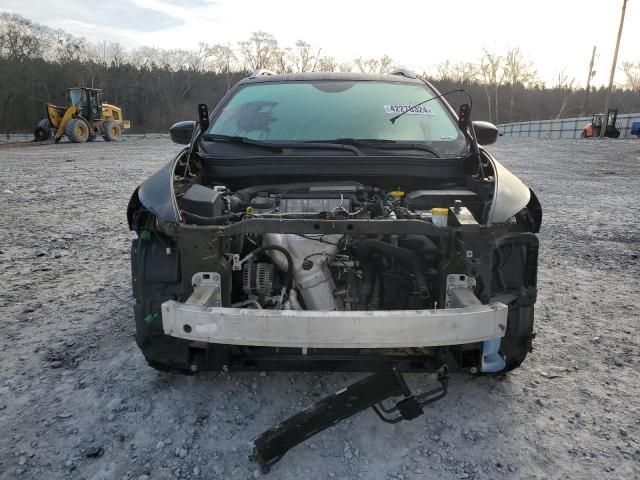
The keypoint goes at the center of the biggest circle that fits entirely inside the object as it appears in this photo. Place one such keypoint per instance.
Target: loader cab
(88, 101)
(594, 128)
(596, 120)
(609, 122)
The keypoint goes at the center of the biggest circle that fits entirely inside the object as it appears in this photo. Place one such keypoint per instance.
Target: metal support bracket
(271, 445)
(459, 292)
(206, 290)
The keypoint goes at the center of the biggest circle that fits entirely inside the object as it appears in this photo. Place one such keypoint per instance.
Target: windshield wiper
(385, 144)
(279, 146)
(213, 137)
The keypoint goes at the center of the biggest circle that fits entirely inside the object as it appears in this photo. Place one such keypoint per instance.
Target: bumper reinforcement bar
(371, 391)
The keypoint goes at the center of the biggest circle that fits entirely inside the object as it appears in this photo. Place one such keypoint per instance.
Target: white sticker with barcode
(419, 110)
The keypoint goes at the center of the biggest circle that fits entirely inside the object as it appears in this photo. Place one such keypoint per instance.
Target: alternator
(257, 278)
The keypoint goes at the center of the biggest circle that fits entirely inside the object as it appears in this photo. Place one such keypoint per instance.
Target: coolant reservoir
(439, 216)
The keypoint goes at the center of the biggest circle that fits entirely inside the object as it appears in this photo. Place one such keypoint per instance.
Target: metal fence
(563, 127)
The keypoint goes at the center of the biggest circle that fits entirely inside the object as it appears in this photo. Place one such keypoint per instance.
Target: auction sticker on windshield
(419, 110)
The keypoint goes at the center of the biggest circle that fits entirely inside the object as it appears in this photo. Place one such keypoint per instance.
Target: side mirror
(486, 133)
(203, 116)
(182, 132)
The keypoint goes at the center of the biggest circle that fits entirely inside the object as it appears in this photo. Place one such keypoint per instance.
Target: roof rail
(261, 72)
(403, 72)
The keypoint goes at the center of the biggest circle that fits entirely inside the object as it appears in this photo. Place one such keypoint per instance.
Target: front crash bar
(271, 445)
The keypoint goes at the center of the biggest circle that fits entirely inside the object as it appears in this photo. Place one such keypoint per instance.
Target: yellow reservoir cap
(396, 194)
(439, 211)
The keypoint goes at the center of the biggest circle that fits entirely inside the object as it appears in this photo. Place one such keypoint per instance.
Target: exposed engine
(330, 271)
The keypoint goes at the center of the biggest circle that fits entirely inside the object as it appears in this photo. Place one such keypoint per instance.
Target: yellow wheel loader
(83, 120)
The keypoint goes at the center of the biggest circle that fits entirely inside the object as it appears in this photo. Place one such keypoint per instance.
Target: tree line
(156, 87)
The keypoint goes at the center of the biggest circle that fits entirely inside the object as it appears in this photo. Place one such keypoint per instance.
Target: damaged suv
(334, 222)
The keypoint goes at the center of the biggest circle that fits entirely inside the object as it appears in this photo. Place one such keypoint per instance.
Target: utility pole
(585, 103)
(605, 120)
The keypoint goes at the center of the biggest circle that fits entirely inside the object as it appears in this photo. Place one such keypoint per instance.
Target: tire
(583, 134)
(42, 131)
(111, 131)
(77, 130)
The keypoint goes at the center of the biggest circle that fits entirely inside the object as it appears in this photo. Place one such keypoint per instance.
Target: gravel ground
(77, 400)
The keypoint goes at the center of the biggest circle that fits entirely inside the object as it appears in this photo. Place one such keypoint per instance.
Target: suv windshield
(329, 111)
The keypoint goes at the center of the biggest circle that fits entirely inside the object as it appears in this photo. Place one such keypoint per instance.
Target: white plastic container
(439, 216)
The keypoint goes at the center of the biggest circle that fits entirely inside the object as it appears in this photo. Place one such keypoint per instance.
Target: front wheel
(77, 130)
(583, 134)
(111, 131)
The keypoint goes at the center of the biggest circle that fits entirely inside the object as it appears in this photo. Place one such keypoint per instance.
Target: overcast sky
(555, 34)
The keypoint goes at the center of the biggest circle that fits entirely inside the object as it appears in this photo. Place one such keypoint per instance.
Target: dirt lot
(78, 401)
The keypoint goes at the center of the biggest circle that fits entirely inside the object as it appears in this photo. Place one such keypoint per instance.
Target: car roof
(319, 76)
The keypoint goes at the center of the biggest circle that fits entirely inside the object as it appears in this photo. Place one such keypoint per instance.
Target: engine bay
(335, 271)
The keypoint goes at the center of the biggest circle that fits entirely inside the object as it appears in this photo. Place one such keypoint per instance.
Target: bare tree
(444, 71)
(281, 60)
(366, 65)
(518, 72)
(327, 64)
(632, 76)
(565, 86)
(69, 48)
(465, 72)
(20, 38)
(116, 55)
(303, 57)
(492, 76)
(380, 65)
(563, 82)
(459, 72)
(199, 60)
(224, 61)
(145, 57)
(172, 60)
(258, 51)
(386, 64)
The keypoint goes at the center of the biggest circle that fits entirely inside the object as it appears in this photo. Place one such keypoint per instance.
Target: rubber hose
(288, 279)
(368, 281)
(200, 220)
(420, 243)
(409, 259)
